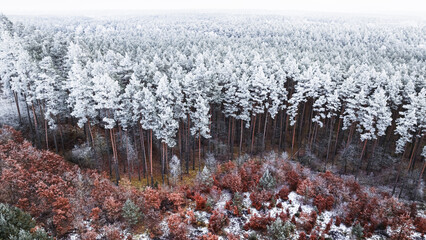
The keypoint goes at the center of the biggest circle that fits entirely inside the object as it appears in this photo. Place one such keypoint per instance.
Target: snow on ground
(164, 227)
(293, 203)
(226, 196)
(143, 236)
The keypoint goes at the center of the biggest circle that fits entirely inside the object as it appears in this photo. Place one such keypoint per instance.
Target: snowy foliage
(175, 169)
(82, 154)
(281, 230)
(267, 181)
(205, 177)
(119, 72)
(210, 162)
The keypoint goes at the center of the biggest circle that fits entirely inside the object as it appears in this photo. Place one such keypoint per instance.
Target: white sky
(415, 7)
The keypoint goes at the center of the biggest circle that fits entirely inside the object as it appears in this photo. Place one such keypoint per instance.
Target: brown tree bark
(241, 138)
(17, 106)
(252, 136)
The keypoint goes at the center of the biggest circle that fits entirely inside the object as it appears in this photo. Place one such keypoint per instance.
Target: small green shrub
(358, 231)
(279, 230)
(267, 181)
(131, 213)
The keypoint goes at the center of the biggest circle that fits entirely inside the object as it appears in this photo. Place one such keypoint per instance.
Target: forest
(212, 126)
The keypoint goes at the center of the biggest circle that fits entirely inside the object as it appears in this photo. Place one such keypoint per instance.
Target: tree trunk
(150, 156)
(187, 146)
(61, 135)
(299, 138)
(412, 153)
(127, 156)
(399, 172)
(17, 106)
(241, 138)
(109, 155)
(310, 125)
(274, 129)
(162, 163)
(93, 143)
(199, 152)
(292, 141)
(351, 130)
(137, 154)
(31, 123)
(329, 142)
(281, 129)
(360, 158)
(55, 142)
(264, 132)
(252, 136)
(416, 152)
(114, 153)
(142, 143)
(229, 136)
(372, 156)
(285, 130)
(232, 138)
(193, 154)
(45, 131)
(337, 138)
(180, 141)
(167, 163)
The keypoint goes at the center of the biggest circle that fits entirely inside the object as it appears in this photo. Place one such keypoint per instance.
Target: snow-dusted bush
(271, 156)
(82, 155)
(205, 177)
(101, 145)
(242, 159)
(211, 162)
(131, 213)
(285, 156)
(280, 230)
(175, 169)
(267, 181)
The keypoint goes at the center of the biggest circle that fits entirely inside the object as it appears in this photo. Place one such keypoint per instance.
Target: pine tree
(149, 119)
(201, 121)
(267, 181)
(47, 90)
(131, 213)
(280, 230)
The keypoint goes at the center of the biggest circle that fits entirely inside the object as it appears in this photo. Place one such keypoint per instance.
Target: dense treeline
(350, 91)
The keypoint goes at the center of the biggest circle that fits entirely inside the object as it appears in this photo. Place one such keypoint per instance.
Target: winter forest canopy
(169, 94)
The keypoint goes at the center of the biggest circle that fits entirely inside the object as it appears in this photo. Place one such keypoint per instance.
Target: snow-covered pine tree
(149, 119)
(167, 124)
(201, 119)
(267, 181)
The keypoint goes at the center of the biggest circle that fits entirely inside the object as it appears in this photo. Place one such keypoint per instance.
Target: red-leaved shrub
(177, 227)
(217, 221)
(420, 224)
(200, 202)
(292, 179)
(283, 193)
(258, 198)
(259, 223)
(231, 181)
